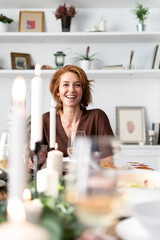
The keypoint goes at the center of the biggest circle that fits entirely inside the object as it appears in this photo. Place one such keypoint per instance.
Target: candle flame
(56, 146)
(37, 70)
(15, 210)
(19, 90)
(27, 194)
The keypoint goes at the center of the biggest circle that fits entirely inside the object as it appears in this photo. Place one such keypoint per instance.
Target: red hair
(86, 86)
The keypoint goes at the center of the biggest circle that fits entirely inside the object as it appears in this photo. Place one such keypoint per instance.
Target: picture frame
(31, 21)
(131, 125)
(20, 61)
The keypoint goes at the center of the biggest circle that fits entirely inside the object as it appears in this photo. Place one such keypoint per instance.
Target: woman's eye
(78, 85)
(65, 84)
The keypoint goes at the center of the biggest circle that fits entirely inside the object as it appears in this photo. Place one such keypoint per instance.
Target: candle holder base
(37, 147)
(51, 149)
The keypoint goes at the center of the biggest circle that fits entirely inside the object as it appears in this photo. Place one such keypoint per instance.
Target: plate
(2, 183)
(131, 229)
(66, 159)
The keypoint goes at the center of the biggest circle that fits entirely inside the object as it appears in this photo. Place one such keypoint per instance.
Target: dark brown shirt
(94, 122)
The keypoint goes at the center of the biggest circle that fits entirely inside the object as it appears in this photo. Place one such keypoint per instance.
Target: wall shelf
(79, 4)
(144, 73)
(77, 37)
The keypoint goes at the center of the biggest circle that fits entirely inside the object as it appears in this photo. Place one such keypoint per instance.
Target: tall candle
(55, 160)
(36, 108)
(16, 161)
(52, 125)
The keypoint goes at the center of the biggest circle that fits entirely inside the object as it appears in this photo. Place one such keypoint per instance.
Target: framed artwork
(131, 125)
(20, 61)
(31, 21)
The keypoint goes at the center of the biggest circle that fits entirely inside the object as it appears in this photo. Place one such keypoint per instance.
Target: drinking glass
(73, 135)
(93, 189)
(4, 154)
(4, 150)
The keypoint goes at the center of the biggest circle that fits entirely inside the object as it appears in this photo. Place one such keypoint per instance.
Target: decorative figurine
(100, 27)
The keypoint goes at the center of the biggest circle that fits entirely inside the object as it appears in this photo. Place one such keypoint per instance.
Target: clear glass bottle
(151, 137)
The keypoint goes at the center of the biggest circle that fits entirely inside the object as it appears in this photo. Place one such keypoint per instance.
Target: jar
(151, 137)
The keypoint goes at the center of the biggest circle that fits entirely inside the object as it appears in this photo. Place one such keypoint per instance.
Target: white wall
(107, 93)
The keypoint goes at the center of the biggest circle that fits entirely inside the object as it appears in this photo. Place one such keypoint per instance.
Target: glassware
(73, 135)
(41, 157)
(4, 150)
(91, 188)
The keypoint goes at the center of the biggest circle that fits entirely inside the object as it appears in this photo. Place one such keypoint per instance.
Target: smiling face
(70, 90)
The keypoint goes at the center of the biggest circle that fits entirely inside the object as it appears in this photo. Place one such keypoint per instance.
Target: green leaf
(52, 223)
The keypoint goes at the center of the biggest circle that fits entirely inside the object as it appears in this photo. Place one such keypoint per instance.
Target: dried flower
(63, 10)
(5, 19)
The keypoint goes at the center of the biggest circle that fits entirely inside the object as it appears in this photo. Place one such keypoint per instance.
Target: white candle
(47, 182)
(36, 108)
(55, 160)
(16, 160)
(18, 228)
(52, 125)
(33, 208)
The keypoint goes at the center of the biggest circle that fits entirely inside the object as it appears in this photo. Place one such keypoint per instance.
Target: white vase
(85, 64)
(3, 27)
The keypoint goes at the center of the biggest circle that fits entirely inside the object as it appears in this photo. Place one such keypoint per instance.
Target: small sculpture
(100, 27)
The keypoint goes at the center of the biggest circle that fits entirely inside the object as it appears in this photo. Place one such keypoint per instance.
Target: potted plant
(4, 21)
(141, 14)
(65, 14)
(85, 58)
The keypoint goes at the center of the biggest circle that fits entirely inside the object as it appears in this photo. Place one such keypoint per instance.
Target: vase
(141, 27)
(66, 23)
(3, 27)
(85, 64)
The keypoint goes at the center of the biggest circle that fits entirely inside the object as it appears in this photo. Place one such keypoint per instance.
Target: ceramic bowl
(148, 213)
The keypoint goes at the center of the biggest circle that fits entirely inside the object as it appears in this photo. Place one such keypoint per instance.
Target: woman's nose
(71, 87)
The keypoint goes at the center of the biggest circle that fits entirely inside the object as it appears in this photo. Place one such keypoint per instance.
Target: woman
(71, 89)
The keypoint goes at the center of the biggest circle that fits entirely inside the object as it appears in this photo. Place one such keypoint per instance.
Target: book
(113, 67)
(156, 59)
(156, 128)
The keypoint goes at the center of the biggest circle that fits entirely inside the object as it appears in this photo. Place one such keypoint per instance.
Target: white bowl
(148, 213)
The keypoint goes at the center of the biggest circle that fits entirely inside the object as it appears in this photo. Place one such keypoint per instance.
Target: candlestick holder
(35, 160)
(51, 149)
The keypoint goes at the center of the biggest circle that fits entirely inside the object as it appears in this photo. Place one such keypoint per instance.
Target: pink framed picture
(131, 125)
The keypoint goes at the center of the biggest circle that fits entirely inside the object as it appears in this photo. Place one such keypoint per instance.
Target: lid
(59, 53)
(151, 132)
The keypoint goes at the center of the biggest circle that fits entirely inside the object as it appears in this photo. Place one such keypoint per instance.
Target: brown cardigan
(94, 122)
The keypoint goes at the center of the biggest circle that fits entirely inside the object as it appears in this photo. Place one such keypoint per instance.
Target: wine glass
(4, 138)
(4, 152)
(92, 189)
(73, 135)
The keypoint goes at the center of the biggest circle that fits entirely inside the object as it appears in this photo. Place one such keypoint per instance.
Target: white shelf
(77, 37)
(79, 4)
(141, 150)
(151, 73)
(139, 147)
